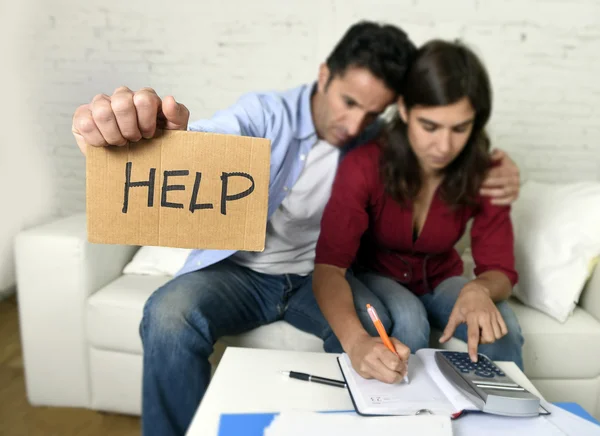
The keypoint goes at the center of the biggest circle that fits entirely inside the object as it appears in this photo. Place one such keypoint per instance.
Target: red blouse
(362, 226)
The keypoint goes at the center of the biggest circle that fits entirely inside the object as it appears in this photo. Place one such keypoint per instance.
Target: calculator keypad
(484, 367)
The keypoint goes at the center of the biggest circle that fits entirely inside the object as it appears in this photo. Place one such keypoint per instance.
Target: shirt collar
(306, 126)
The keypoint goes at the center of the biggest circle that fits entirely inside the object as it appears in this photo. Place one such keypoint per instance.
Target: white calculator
(486, 385)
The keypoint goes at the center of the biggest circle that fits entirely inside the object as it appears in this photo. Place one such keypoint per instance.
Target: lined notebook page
(375, 397)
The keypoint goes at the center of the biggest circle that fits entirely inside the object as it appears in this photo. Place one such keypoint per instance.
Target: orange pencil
(382, 333)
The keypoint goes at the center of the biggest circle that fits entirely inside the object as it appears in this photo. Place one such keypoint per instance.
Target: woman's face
(437, 134)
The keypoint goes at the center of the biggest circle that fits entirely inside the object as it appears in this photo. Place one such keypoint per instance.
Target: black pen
(314, 378)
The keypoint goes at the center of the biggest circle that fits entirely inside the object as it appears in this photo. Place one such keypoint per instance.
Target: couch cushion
(556, 350)
(115, 311)
(552, 349)
(277, 336)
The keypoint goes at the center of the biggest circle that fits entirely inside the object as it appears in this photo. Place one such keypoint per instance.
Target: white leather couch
(79, 320)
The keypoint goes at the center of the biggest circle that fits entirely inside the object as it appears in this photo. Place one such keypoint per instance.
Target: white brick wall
(543, 56)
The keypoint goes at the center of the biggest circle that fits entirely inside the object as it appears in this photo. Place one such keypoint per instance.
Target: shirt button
(405, 275)
(285, 188)
(199, 262)
(302, 157)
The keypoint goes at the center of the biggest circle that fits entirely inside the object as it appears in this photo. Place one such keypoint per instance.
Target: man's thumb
(176, 114)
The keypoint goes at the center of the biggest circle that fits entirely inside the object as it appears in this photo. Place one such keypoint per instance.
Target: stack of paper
(571, 424)
(295, 423)
(558, 423)
(350, 424)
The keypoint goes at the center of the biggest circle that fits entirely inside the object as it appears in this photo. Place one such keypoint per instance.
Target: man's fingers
(85, 130)
(106, 121)
(472, 337)
(497, 154)
(494, 192)
(176, 114)
(125, 113)
(125, 117)
(147, 105)
(500, 196)
(501, 180)
(453, 322)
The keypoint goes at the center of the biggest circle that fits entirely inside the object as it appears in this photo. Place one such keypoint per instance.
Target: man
(220, 293)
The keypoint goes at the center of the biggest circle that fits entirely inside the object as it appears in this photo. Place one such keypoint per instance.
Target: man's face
(348, 103)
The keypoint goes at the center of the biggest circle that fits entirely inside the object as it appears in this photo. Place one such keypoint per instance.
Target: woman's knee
(411, 325)
(514, 334)
(409, 320)
(362, 297)
(509, 347)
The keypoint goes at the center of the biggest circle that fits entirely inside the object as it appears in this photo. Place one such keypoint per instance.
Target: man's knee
(167, 312)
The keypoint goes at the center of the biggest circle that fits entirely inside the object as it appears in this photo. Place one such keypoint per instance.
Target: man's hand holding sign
(165, 186)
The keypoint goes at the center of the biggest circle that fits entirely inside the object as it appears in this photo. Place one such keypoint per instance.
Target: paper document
(350, 424)
(484, 424)
(570, 424)
(558, 423)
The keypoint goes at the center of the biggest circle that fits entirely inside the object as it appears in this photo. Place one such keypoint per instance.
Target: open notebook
(428, 391)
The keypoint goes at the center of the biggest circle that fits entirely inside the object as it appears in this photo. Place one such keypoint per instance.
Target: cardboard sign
(180, 189)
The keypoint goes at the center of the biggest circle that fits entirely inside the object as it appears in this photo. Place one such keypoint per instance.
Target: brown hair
(442, 73)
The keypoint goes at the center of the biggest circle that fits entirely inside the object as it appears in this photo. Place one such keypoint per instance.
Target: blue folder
(247, 424)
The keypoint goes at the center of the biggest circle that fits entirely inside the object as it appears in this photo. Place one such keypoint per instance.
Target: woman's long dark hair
(442, 73)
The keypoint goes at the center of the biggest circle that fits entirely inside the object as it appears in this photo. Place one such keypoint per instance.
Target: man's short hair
(383, 49)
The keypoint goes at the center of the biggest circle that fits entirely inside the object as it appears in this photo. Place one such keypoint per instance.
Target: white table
(247, 380)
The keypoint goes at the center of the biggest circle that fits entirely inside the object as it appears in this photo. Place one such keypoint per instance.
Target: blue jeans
(411, 316)
(185, 317)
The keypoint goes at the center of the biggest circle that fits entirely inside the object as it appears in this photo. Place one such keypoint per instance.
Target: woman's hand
(475, 307)
(371, 359)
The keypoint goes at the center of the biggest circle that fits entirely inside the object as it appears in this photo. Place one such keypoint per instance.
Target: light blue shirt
(286, 119)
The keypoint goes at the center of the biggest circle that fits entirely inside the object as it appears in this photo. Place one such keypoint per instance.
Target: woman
(397, 209)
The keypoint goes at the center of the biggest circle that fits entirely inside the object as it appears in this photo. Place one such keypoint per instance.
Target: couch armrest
(57, 270)
(590, 297)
